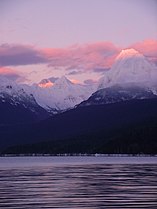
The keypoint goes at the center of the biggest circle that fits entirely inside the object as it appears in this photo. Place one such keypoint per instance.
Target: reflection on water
(86, 186)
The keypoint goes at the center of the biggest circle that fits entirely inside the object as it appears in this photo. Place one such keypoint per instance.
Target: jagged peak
(63, 80)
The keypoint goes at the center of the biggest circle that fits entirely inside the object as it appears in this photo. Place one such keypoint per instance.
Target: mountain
(119, 117)
(129, 67)
(56, 95)
(59, 95)
(16, 106)
(123, 127)
(119, 93)
(131, 77)
(51, 95)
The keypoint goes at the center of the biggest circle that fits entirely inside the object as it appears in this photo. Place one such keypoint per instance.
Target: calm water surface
(78, 182)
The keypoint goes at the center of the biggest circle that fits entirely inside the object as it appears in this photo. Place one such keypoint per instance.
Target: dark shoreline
(78, 155)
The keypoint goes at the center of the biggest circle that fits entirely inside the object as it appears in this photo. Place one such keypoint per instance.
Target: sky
(76, 38)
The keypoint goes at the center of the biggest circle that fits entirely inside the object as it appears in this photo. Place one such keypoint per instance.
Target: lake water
(78, 182)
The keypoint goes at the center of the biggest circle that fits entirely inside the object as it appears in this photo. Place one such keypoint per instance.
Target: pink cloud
(74, 81)
(83, 57)
(147, 48)
(11, 74)
(95, 57)
(5, 70)
(17, 54)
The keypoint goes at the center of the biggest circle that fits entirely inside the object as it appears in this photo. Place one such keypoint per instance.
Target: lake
(78, 182)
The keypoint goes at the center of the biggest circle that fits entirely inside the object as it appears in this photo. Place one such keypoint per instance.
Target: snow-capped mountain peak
(62, 82)
(16, 96)
(129, 67)
(59, 94)
(118, 93)
(127, 53)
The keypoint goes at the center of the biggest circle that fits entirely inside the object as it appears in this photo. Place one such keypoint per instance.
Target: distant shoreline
(78, 155)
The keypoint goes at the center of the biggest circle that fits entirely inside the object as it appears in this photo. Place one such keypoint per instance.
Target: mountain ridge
(56, 95)
(119, 93)
(16, 106)
(129, 67)
(106, 117)
(102, 122)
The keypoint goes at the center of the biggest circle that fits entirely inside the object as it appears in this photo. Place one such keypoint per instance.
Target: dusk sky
(76, 38)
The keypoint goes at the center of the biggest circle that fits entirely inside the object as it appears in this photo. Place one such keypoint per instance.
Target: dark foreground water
(78, 182)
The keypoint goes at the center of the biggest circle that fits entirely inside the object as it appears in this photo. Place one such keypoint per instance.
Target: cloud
(75, 72)
(53, 79)
(79, 57)
(76, 58)
(93, 57)
(101, 70)
(15, 55)
(147, 48)
(74, 81)
(11, 74)
(90, 81)
(83, 57)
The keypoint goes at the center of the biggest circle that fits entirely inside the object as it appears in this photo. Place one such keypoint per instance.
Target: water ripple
(79, 187)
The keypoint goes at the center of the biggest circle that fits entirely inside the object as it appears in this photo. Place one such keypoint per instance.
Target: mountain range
(70, 117)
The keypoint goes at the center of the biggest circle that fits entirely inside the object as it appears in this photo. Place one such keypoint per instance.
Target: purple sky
(42, 38)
